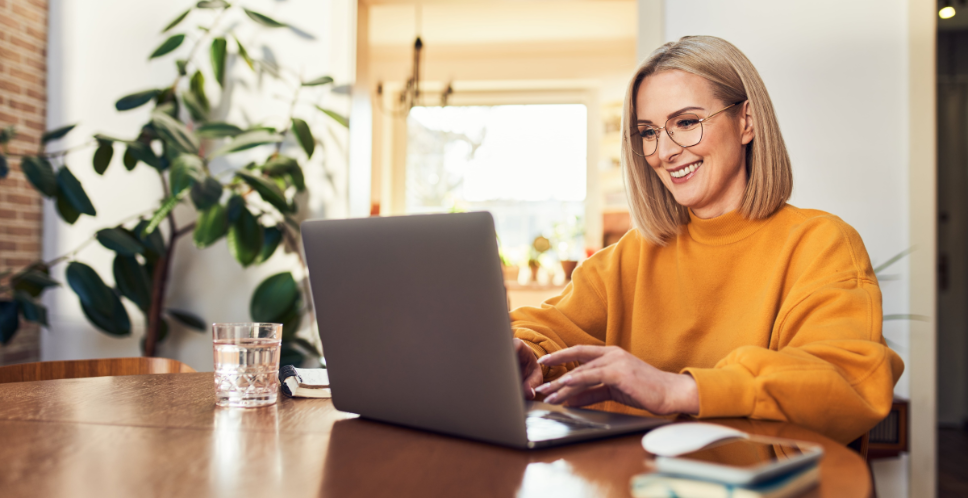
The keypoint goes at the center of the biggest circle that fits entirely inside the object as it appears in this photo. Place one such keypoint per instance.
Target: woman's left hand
(611, 373)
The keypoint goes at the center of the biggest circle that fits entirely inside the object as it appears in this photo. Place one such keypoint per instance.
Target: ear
(748, 128)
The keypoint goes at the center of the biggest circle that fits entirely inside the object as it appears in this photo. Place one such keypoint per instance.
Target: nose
(668, 149)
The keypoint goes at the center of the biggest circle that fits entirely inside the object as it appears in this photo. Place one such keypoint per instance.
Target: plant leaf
(264, 19)
(177, 20)
(9, 321)
(103, 155)
(56, 133)
(154, 244)
(274, 298)
(142, 152)
(115, 323)
(244, 54)
(920, 318)
(211, 225)
(187, 319)
(7, 134)
(132, 281)
(248, 140)
(182, 66)
(266, 189)
(290, 355)
(31, 310)
(213, 4)
(217, 129)
(197, 87)
(897, 257)
(217, 53)
(161, 213)
(129, 159)
(198, 113)
(4, 168)
(120, 241)
(322, 80)
(234, 207)
(174, 132)
(134, 100)
(245, 238)
(69, 187)
(168, 45)
(339, 118)
(40, 174)
(305, 136)
(66, 210)
(186, 170)
(33, 281)
(87, 284)
(270, 241)
(206, 193)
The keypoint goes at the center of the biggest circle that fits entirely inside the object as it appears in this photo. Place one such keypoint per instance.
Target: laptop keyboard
(543, 425)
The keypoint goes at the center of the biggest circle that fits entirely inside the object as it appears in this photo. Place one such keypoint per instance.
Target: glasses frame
(635, 131)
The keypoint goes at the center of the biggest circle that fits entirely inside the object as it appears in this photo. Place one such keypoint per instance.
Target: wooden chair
(75, 369)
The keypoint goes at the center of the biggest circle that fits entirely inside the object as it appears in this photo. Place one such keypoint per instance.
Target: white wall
(98, 53)
(838, 74)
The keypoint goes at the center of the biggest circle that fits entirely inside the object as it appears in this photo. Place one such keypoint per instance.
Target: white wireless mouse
(677, 439)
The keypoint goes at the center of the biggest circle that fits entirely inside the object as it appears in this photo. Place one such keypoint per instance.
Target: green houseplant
(253, 206)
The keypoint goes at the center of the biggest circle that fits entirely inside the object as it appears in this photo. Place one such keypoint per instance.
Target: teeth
(685, 171)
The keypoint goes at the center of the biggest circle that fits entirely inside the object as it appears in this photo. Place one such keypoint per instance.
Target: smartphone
(742, 461)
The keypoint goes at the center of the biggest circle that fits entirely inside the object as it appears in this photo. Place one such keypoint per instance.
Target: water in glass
(246, 371)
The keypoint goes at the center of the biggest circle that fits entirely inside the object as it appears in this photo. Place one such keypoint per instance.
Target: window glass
(526, 164)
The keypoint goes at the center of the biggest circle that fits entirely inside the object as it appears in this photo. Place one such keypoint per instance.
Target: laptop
(413, 316)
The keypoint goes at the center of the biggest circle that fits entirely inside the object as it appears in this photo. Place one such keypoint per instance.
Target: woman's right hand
(530, 370)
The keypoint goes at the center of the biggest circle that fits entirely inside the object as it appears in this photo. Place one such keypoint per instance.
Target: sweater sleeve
(577, 316)
(827, 367)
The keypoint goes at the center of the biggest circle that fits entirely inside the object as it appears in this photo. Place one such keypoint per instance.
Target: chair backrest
(75, 369)
(861, 444)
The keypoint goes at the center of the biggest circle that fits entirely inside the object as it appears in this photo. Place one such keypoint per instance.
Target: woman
(724, 301)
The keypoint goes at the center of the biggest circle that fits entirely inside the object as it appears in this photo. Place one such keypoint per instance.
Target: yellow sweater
(776, 319)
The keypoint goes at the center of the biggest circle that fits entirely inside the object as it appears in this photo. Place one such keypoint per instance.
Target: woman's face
(717, 184)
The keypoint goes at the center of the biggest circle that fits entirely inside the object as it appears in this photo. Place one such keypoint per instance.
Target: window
(526, 164)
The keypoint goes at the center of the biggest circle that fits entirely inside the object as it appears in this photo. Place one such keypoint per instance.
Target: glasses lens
(650, 139)
(685, 129)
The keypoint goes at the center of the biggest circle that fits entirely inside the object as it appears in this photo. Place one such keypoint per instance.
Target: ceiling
(468, 22)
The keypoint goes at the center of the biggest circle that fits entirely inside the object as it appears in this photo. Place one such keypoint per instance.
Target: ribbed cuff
(724, 392)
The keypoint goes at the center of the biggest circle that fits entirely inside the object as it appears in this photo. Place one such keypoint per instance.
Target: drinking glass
(246, 363)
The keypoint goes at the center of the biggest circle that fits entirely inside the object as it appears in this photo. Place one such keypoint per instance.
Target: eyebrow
(680, 111)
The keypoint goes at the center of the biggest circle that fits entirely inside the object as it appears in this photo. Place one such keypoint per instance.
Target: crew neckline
(724, 229)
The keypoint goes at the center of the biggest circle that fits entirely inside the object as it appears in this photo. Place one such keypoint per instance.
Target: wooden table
(162, 435)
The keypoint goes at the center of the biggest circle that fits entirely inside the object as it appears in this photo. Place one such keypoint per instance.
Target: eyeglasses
(684, 129)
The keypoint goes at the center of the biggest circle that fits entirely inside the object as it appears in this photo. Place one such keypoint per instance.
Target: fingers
(572, 383)
(590, 396)
(582, 354)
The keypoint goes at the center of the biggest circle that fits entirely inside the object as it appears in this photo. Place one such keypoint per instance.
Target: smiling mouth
(685, 170)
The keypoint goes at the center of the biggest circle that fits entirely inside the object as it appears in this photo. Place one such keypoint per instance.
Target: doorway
(952, 95)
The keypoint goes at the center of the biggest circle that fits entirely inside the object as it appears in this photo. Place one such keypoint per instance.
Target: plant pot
(534, 271)
(511, 273)
(569, 267)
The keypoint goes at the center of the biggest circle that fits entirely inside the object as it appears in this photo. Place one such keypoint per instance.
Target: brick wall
(23, 102)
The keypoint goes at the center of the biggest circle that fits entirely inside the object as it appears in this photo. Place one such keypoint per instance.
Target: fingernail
(532, 393)
(566, 379)
(543, 387)
(542, 360)
(552, 398)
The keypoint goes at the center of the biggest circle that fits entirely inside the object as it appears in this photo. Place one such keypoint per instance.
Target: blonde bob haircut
(655, 212)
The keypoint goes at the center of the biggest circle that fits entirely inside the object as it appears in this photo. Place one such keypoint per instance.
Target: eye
(686, 122)
(647, 133)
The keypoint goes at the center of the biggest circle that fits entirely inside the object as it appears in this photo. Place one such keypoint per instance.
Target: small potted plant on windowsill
(540, 245)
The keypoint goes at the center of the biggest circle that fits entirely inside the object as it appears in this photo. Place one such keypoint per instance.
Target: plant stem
(59, 153)
(159, 287)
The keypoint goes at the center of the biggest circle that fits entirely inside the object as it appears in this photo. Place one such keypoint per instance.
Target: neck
(729, 199)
